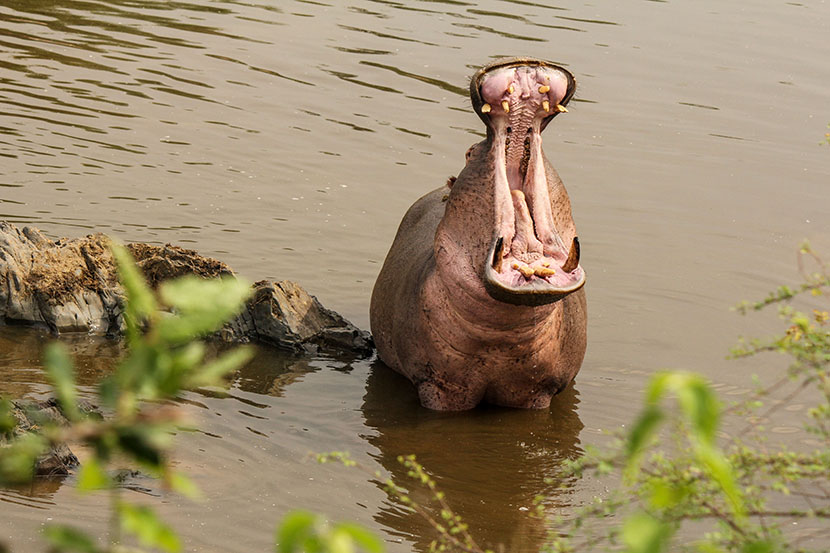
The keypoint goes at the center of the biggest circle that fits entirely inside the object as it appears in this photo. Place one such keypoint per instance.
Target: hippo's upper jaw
(528, 262)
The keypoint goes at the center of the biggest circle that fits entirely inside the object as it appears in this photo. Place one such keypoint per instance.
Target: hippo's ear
(469, 152)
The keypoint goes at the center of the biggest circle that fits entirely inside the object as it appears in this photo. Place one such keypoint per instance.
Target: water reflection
(491, 462)
(271, 371)
(21, 348)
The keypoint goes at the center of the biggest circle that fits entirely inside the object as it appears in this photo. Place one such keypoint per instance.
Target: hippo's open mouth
(528, 261)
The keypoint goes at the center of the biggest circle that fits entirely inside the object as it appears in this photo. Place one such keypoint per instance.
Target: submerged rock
(71, 285)
(31, 416)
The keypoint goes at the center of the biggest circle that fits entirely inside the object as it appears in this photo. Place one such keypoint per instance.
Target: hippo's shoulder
(426, 212)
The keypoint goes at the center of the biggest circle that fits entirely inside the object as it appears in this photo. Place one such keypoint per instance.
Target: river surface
(288, 139)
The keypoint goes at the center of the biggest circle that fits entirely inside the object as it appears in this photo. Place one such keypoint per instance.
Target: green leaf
(184, 485)
(367, 540)
(643, 430)
(58, 366)
(758, 547)
(642, 533)
(339, 542)
(92, 476)
(7, 420)
(143, 523)
(144, 444)
(139, 296)
(721, 472)
(67, 539)
(17, 462)
(211, 374)
(639, 436)
(664, 495)
(201, 305)
(294, 530)
(700, 405)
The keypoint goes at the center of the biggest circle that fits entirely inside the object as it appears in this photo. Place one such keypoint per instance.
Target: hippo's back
(394, 308)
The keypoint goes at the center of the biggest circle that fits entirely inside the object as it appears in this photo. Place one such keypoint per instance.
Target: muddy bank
(71, 285)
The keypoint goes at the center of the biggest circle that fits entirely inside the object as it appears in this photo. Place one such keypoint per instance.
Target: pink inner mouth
(528, 253)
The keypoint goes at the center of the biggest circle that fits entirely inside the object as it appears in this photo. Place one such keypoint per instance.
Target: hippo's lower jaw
(535, 284)
(528, 263)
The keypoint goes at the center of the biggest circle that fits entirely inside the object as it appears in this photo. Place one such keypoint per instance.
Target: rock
(71, 285)
(30, 416)
(285, 315)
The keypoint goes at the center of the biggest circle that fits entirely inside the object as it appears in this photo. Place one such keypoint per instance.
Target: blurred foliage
(165, 357)
(689, 487)
(304, 532)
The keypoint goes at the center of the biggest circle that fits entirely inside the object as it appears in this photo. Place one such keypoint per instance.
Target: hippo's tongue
(517, 100)
(524, 246)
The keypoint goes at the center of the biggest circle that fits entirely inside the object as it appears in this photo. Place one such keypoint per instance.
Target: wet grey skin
(480, 298)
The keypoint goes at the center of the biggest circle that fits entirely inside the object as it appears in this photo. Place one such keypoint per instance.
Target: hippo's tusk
(546, 105)
(544, 89)
(544, 272)
(573, 257)
(498, 254)
(486, 108)
(561, 109)
(506, 106)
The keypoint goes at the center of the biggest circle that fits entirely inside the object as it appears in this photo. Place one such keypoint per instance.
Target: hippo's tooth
(544, 272)
(511, 89)
(561, 109)
(498, 254)
(526, 270)
(546, 105)
(573, 257)
(544, 89)
(486, 108)
(506, 106)
(546, 264)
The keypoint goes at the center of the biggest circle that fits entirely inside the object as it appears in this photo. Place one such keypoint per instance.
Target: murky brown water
(289, 138)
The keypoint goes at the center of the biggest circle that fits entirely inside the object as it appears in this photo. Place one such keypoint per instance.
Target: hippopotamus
(480, 298)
